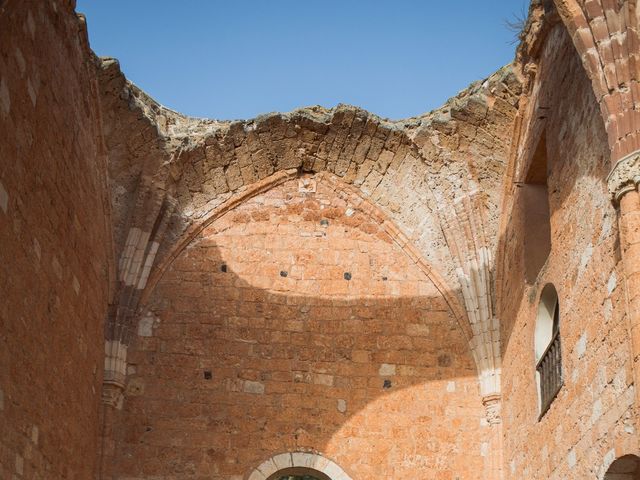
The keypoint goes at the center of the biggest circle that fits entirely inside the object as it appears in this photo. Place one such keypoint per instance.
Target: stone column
(623, 186)
(493, 406)
(113, 385)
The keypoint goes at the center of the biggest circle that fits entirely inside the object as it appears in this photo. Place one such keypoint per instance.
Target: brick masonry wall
(295, 321)
(590, 422)
(53, 283)
(437, 177)
(318, 333)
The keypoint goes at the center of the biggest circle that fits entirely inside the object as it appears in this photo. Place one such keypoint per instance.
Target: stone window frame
(536, 210)
(298, 462)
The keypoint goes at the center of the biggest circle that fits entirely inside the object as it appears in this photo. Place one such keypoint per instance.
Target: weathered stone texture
(593, 414)
(54, 239)
(322, 284)
(416, 171)
(300, 306)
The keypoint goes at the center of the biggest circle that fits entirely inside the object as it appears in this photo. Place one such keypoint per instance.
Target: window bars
(550, 370)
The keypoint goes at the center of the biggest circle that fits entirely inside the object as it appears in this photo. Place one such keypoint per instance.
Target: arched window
(536, 213)
(548, 352)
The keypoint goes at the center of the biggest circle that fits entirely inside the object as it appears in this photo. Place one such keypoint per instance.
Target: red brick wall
(590, 419)
(52, 246)
(299, 361)
(294, 322)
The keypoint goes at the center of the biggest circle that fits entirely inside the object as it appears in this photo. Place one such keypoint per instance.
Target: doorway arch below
(626, 467)
(298, 473)
(298, 463)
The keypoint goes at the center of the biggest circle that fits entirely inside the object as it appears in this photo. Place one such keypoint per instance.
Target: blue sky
(237, 59)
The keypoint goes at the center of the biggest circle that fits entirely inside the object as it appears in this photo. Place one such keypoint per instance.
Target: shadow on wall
(581, 261)
(564, 158)
(295, 322)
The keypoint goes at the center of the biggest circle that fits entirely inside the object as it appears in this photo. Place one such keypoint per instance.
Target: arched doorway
(299, 474)
(624, 468)
(298, 466)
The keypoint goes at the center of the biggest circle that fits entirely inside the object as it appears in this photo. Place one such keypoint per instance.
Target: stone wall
(437, 177)
(591, 421)
(315, 281)
(298, 322)
(54, 245)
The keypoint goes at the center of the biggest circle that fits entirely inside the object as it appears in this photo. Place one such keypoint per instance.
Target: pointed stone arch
(387, 223)
(181, 169)
(605, 35)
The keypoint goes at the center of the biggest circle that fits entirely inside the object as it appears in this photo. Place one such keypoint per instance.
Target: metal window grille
(550, 367)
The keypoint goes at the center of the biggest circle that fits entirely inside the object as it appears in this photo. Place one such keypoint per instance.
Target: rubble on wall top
(172, 125)
(541, 17)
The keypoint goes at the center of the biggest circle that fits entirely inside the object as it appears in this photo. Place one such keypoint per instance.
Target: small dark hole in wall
(387, 384)
(283, 273)
(223, 268)
(207, 375)
(347, 276)
(324, 222)
(444, 360)
(384, 279)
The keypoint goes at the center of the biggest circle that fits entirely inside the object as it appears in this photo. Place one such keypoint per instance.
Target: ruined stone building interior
(322, 294)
